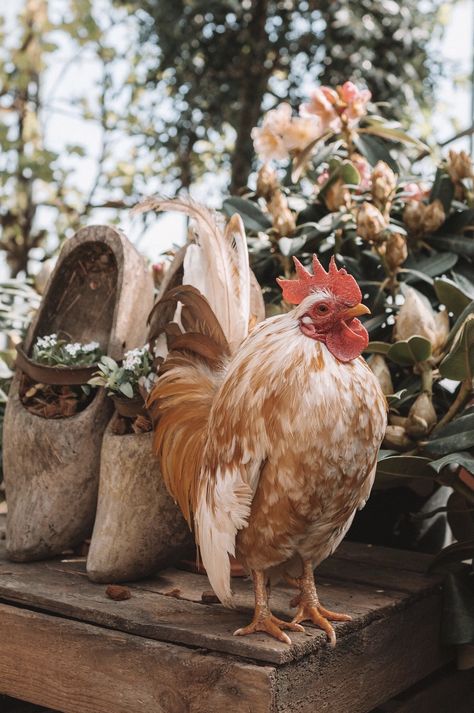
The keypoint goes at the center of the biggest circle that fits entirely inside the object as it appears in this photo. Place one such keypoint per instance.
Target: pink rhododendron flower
(301, 131)
(267, 139)
(365, 172)
(322, 103)
(356, 100)
(281, 133)
(415, 192)
(323, 177)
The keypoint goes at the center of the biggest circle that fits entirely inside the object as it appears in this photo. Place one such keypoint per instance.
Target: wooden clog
(100, 290)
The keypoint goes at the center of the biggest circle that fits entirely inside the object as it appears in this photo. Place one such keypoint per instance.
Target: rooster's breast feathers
(279, 394)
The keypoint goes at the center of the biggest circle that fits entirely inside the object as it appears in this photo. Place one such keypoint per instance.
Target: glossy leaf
(458, 552)
(411, 351)
(392, 134)
(291, 246)
(442, 190)
(459, 362)
(462, 458)
(460, 321)
(459, 220)
(434, 265)
(401, 466)
(451, 295)
(458, 435)
(454, 243)
(253, 218)
(377, 348)
(375, 149)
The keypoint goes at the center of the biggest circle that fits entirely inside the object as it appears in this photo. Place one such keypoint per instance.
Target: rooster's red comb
(339, 282)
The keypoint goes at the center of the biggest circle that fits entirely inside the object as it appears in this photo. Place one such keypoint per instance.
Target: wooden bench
(65, 645)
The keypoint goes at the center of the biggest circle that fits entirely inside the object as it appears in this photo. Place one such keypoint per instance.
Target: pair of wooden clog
(66, 478)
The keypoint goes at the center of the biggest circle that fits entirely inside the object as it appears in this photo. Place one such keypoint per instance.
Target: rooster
(267, 441)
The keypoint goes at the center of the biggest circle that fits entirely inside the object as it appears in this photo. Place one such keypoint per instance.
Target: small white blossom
(91, 347)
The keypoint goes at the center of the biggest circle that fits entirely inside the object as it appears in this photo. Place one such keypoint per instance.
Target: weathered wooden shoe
(100, 290)
(138, 528)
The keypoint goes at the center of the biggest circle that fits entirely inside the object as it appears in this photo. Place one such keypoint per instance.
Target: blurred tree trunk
(254, 85)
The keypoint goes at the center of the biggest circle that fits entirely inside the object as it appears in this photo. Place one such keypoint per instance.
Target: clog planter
(99, 291)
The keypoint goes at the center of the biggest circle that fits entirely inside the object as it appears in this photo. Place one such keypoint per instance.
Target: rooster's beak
(356, 311)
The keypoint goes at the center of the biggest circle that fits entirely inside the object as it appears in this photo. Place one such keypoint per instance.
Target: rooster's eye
(322, 309)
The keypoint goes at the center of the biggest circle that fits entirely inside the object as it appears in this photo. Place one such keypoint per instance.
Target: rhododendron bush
(335, 177)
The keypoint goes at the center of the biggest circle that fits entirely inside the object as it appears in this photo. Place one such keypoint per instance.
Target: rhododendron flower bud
(370, 222)
(283, 219)
(396, 251)
(397, 438)
(434, 216)
(413, 216)
(415, 192)
(337, 195)
(365, 171)
(460, 166)
(383, 183)
(416, 316)
(323, 177)
(421, 417)
(267, 181)
(379, 366)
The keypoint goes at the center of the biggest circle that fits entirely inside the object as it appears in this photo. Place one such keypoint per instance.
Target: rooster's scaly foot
(309, 608)
(270, 624)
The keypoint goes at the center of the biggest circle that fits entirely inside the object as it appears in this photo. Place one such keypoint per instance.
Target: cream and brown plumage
(268, 442)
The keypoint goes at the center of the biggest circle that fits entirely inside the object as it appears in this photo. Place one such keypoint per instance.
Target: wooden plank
(368, 665)
(377, 575)
(49, 587)
(384, 556)
(449, 691)
(78, 668)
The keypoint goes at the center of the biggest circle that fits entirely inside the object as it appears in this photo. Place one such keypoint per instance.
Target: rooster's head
(328, 306)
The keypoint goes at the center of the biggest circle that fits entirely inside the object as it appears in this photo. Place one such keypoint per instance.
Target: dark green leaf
(377, 348)
(253, 218)
(350, 174)
(291, 246)
(401, 466)
(442, 190)
(457, 552)
(451, 295)
(462, 458)
(434, 265)
(456, 436)
(375, 149)
(410, 351)
(460, 321)
(459, 363)
(459, 220)
(454, 243)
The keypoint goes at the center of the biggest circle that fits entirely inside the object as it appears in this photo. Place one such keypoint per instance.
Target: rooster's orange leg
(263, 619)
(309, 607)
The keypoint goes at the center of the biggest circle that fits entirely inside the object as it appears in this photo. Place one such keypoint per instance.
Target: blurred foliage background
(103, 101)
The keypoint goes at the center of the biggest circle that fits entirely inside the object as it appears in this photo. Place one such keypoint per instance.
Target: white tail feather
(217, 264)
(223, 508)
